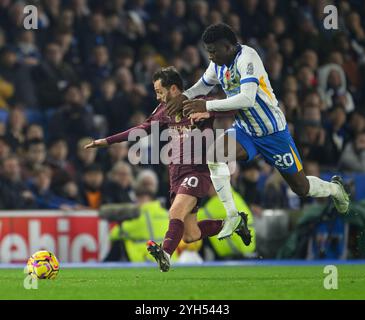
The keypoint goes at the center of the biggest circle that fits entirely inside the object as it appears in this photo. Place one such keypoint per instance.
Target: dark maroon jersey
(187, 159)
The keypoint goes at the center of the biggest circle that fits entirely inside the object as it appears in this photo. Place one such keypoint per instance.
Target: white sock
(319, 188)
(221, 179)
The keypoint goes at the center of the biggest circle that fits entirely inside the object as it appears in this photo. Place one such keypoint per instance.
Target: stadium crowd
(86, 72)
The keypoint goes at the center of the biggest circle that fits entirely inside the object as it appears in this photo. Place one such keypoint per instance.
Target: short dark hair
(217, 32)
(168, 77)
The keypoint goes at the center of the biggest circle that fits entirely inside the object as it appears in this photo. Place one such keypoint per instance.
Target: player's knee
(300, 190)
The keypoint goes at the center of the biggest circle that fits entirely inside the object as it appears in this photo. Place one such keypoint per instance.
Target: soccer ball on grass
(43, 265)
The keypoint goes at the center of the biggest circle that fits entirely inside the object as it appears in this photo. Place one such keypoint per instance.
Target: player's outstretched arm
(96, 144)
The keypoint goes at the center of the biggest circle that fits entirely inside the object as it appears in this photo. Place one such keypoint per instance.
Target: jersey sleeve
(209, 77)
(205, 84)
(249, 65)
(223, 114)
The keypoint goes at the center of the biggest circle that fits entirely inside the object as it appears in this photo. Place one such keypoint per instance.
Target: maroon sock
(210, 228)
(173, 236)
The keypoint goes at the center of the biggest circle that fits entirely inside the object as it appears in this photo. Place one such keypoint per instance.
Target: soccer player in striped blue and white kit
(260, 126)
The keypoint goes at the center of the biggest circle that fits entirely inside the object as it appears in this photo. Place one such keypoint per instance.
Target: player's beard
(168, 97)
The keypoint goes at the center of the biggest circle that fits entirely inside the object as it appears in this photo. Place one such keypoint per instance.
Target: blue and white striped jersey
(265, 116)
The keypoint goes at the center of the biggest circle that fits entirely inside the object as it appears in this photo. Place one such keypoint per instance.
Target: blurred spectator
(84, 157)
(52, 77)
(73, 121)
(146, 66)
(42, 193)
(332, 86)
(313, 99)
(287, 50)
(253, 22)
(291, 104)
(18, 76)
(118, 187)
(124, 57)
(353, 156)
(274, 67)
(159, 22)
(14, 194)
(2, 38)
(308, 36)
(224, 7)
(314, 143)
(69, 190)
(57, 158)
(6, 92)
(148, 180)
(66, 19)
(248, 184)
(27, 49)
(69, 45)
(16, 128)
(275, 191)
(356, 123)
(5, 149)
(115, 153)
(34, 131)
(139, 7)
(35, 153)
(178, 15)
(94, 35)
(216, 17)
(306, 80)
(134, 30)
(99, 68)
(356, 29)
(113, 105)
(91, 186)
(191, 57)
(336, 129)
(53, 9)
(135, 94)
(13, 19)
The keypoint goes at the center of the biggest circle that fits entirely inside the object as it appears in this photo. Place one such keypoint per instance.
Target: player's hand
(175, 105)
(96, 144)
(199, 116)
(194, 106)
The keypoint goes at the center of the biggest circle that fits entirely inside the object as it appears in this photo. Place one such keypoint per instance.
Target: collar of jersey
(236, 57)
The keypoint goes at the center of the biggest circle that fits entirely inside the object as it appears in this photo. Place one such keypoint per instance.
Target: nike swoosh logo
(219, 189)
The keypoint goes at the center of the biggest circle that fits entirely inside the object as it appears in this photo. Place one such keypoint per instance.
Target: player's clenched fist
(96, 144)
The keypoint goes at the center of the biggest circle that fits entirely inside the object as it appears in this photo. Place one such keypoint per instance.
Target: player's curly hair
(168, 77)
(217, 32)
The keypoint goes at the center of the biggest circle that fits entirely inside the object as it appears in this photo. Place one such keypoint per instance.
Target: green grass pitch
(236, 283)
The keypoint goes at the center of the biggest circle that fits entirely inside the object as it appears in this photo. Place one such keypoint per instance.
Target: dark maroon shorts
(193, 180)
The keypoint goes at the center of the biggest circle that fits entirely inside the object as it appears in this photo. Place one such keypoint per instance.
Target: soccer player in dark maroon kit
(188, 182)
